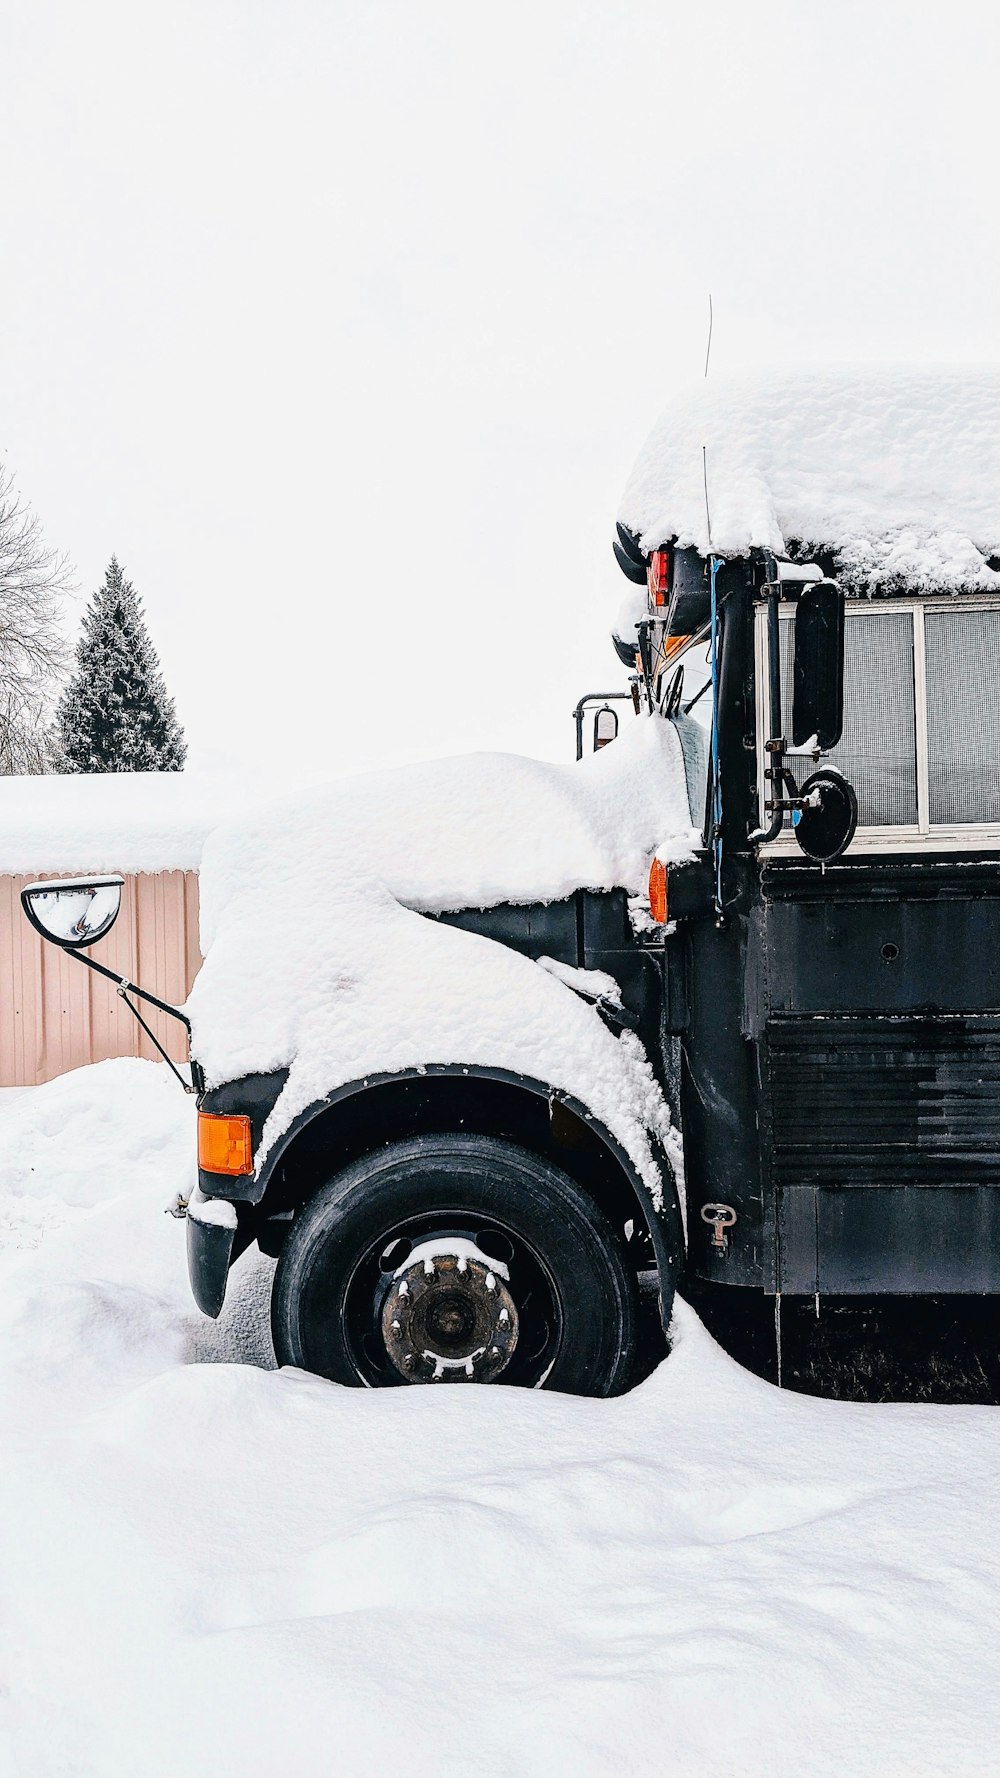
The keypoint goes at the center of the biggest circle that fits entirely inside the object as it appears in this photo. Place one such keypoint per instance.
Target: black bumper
(209, 1251)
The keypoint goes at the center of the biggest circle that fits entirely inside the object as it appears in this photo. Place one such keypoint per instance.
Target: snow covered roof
(896, 471)
(126, 821)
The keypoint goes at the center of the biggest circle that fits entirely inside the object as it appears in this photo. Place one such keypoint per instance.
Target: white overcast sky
(341, 322)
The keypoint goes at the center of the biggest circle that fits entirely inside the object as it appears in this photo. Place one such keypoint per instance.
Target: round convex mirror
(73, 913)
(826, 830)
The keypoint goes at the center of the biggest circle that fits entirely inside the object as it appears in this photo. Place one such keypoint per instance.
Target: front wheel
(453, 1259)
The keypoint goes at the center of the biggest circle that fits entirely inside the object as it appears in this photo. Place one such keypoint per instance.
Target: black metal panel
(885, 1153)
(876, 1102)
(892, 1240)
(885, 953)
(796, 1230)
(908, 1241)
(589, 930)
(538, 929)
(719, 1098)
(689, 598)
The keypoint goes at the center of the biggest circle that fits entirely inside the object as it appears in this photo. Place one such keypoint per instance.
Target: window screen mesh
(877, 750)
(962, 650)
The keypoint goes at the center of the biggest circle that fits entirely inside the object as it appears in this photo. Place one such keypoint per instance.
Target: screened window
(921, 739)
(878, 747)
(962, 651)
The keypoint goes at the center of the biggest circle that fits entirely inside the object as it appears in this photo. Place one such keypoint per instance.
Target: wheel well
(393, 1110)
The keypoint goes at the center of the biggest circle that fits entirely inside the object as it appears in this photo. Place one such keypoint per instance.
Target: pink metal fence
(55, 1014)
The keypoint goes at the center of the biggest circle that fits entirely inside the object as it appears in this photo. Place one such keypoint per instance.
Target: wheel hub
(448, 1316)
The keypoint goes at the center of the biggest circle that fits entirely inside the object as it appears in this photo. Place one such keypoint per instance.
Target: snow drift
(211, 1567)
(896, 471)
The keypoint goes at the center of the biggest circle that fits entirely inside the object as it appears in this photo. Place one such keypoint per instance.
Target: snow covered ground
(209, 1567)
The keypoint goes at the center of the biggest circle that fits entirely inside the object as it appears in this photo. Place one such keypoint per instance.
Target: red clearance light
(224, 1144)
(658, 579)
(658, 892)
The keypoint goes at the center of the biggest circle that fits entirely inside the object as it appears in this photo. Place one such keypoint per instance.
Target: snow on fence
(55, 1014)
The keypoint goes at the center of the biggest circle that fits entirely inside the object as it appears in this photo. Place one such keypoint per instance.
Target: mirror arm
(191, 1086)
(124, 988)
(598, 697)
(122, 981)
(774, 746)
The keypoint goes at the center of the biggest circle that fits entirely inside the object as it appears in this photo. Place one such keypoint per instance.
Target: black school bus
(818, 992)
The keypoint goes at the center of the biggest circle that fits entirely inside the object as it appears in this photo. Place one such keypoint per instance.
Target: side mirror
(827, 824)
(605, 726)
(73, 913)
(818, 677)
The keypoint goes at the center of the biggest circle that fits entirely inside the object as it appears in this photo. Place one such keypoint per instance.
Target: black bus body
(826, 1029)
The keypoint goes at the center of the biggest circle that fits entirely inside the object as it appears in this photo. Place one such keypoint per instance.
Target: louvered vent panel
(894, 1102)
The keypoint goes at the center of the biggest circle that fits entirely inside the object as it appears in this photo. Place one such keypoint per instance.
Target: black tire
(574, 1295)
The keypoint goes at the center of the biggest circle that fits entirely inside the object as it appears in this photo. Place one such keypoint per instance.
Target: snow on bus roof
(895, 470)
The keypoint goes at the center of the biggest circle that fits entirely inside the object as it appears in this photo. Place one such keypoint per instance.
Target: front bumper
(209, 1251)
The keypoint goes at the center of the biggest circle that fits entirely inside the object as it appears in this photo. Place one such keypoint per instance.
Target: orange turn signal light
(658, 892)
(658, 579)
(224, 1144)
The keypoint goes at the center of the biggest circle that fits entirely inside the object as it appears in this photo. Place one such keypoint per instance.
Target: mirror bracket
(123, 988)
(73, 947)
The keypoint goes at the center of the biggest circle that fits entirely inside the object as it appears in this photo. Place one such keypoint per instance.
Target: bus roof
(895, 471)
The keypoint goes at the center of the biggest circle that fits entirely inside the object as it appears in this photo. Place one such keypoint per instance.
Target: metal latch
(721, 1218)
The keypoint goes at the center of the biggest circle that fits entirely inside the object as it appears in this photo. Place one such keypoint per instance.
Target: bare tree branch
(33, 652)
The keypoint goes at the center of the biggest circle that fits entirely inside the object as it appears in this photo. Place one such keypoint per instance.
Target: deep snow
(209, 1567)
(896, 469)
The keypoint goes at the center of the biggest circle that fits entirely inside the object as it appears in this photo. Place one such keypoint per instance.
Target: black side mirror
(818, 679)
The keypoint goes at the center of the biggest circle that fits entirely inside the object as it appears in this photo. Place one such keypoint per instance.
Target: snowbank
(317, 960)
(895, 470)
(211, 1568)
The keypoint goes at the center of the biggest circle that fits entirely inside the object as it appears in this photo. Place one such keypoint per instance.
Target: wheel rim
(443, 1297)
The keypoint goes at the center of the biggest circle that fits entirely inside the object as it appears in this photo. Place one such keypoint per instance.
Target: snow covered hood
(316, 958)
(896, 470)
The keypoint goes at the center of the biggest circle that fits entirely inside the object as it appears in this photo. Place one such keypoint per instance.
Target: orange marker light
(658, 892)
(658, 579)
(224, 1144)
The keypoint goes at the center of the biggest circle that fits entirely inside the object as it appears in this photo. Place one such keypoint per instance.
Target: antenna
(704, 477)
(708, 348)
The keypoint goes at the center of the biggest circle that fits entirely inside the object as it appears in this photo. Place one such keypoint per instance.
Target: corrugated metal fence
(56, 1014)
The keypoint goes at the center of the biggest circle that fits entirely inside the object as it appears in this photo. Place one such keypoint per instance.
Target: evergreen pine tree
(115, 715)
